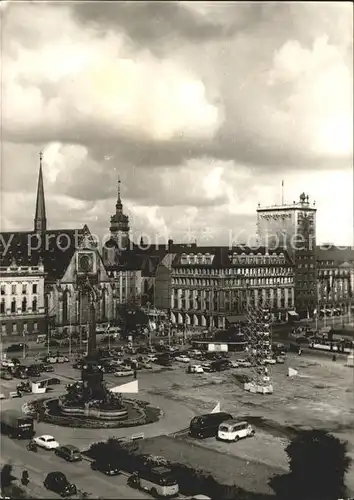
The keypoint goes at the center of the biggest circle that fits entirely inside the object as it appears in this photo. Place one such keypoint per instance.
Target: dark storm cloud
(150, 23)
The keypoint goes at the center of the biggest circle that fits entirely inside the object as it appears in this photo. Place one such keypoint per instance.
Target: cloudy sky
(201, 108)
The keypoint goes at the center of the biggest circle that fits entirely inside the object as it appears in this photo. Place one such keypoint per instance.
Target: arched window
(2, 306)
(13, 305)
(65, 307)
(34, 305)
(24, 304)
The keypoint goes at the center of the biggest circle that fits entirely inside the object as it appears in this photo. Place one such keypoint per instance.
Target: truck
(17, 425)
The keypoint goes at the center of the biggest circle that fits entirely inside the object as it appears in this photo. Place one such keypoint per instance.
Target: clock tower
(119, 226)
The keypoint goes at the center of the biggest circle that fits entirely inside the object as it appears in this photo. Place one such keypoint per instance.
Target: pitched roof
(335, 254)
(55, 247)
(222, 256)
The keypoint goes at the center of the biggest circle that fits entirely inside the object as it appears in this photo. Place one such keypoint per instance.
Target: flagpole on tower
(282, 192)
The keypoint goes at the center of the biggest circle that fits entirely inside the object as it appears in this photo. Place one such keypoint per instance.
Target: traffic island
(134, 413)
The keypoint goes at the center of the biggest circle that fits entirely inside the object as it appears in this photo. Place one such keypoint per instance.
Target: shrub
(191, 481)
(318, 462)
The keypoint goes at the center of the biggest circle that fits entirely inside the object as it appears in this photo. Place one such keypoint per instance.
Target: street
(80, 473)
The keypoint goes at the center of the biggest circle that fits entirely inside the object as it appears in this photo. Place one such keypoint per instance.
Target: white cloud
(105, 85)
(272, 93)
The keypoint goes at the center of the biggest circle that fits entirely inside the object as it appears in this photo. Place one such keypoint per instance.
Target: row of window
(14, 289)
(230, 306)
(236, 282)
(198, 294)
(327, 273)
(14, 328)
(258, 271)
(13, 307)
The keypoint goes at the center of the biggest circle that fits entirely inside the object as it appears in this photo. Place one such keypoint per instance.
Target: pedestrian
(300, 351)
(135, 373)
(334, 357)
(25, 478)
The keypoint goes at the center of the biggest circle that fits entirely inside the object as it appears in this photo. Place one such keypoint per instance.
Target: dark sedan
(69, 453)
(105, 467)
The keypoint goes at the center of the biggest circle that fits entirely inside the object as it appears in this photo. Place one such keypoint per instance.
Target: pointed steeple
(119, 226)
(119, 205)
(40, 219)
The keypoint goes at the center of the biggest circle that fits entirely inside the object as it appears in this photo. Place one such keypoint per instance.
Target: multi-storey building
(208, 285)
(22, 297)
(335, 285)
(48, 276)
(294, 228)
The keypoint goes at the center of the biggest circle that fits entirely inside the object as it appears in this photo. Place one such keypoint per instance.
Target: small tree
(318, 463)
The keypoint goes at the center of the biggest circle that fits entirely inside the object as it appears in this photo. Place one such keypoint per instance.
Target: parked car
(17, 347)
(46, 441)
(105, 467)
(280, 359)
(57, 482)
(195, 369)
(7, 363)
(206, 366)
(233, 430)
(69, 452)
(5, 374)
(34, 370)
(270, 361)
(242, 363)
(62, 359)
(233, 364)
(20, 372)
(183, 359)
(54, 381)
(48, 368)
(123, 373)
(151, 357)
(207, 425)
(194, 352)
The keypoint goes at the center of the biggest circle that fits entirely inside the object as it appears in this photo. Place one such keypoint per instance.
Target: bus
(17, 425)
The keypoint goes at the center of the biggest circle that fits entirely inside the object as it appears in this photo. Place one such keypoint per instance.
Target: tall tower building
(119, 227)
(293, 226)
(40, 219)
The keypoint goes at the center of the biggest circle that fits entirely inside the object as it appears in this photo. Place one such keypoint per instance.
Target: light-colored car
(233, 364)
(195, 352)
(51, 359)
(269, 361)
(123, 373)
(62, 359)
(46, 441)
(151, 357)
(7, 363)
(146, 365)
(280, 359)
(183, 359)
(195, 369)
(242, 363)
(206, 367)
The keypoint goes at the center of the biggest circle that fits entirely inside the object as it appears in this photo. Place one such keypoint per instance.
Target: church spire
(119, 205)
(40, 220)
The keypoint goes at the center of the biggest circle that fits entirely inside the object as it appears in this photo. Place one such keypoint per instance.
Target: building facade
(208, 285)
(49, 278)
(22, 309)
(335, 285)
(294, 228)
